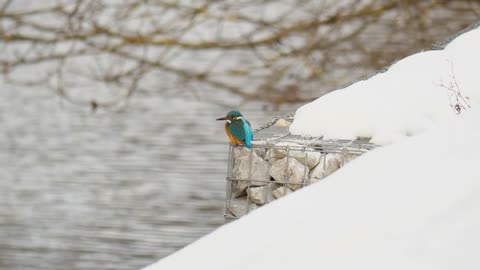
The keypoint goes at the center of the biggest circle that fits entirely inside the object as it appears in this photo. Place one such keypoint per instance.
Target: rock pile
(264, 174)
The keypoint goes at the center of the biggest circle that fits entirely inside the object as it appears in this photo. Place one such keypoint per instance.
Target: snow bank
(411, 96)
(411, 205)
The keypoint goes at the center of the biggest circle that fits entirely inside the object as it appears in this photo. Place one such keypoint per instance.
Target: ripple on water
(110, 190)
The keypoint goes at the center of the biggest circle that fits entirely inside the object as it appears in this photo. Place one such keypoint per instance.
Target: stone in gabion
(242, 171)
(261, 195)
(240, 152)
(281, 191)
(309, 158)
(347, 158)
(294, 172)
(282, 123)
(328, 164)
(238, 207)
(270, 158)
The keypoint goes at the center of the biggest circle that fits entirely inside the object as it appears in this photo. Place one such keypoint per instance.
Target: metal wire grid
(271, 138)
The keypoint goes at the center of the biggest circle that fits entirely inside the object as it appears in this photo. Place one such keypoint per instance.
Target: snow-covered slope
(411, 96)
(409, 205)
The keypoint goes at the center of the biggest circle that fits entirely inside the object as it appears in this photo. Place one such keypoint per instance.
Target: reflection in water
(110, 190)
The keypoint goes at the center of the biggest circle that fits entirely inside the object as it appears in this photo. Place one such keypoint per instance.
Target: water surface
(115, 189)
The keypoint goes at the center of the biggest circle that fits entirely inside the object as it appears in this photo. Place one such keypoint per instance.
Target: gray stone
(261, 195)
(238, 206)
(270, 158)
(248, 170)
(240, 152)
(282, 123)
(260, 152)
(294, 173)
(281, 191)
(347, 158)
(252, 207)
(328, 164)
(304, 156)
(243, 151)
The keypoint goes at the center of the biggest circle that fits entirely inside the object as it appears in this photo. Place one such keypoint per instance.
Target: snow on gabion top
(414, 94)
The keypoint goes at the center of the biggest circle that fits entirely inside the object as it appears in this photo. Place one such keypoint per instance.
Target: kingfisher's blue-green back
(241, 130)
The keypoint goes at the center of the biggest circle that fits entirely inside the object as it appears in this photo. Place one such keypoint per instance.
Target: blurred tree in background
(100, 52)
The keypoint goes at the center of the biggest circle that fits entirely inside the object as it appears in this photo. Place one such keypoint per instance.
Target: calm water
(111, 190)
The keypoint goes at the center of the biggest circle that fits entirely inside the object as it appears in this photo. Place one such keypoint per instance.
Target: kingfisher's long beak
(222, 118)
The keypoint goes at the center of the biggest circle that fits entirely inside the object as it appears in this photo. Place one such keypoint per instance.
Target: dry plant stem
(458, 102)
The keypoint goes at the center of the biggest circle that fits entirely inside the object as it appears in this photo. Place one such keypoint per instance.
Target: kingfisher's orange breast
(233, 140)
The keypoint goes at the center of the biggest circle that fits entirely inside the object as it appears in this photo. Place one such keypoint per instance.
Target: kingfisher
(238, 129)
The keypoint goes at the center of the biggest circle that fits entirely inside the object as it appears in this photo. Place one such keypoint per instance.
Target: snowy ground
(408, 205)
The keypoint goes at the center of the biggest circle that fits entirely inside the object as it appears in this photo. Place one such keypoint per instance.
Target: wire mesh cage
(280, 163)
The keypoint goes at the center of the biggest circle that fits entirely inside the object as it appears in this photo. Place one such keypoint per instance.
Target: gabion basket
(280, 163)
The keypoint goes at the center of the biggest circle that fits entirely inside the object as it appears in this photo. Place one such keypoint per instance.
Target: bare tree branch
(276, 51)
